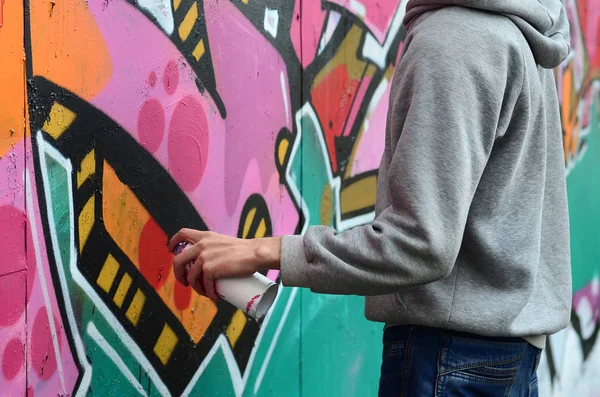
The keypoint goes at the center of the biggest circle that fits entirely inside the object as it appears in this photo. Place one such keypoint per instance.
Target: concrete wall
(122, 121)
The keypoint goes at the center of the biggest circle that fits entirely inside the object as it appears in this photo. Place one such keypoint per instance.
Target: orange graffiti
(12, 78)
(78, 61)
(570, 120)
(131, 226)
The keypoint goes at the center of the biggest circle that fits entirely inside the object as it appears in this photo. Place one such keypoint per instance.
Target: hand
(217, 256)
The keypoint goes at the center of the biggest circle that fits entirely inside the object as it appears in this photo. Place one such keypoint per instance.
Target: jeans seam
(407, 360)
(525, 347)
(489, 380)
(437, 378)
(524, 374)
(512, 360)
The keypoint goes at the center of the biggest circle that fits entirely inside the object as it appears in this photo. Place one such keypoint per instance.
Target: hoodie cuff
(294, 265)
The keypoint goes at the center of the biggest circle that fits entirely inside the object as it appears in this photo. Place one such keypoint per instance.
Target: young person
(467, 260)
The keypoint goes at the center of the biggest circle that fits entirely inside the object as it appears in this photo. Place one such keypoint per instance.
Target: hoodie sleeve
(446, 106)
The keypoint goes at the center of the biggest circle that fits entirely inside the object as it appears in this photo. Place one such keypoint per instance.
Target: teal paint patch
(584, 209)
(58, 179)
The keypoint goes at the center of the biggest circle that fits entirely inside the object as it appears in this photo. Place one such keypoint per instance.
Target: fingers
(202, 252)
(178, 237)
(209, 286)
(194, 278)
(189, 235)
(180, 273)
(189, 255)
(180, 262)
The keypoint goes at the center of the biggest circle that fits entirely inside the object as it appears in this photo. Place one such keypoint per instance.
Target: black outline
(299, 81)
(163, 199)
(205, 75)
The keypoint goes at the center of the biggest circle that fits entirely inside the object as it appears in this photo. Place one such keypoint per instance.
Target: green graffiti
(584, 210)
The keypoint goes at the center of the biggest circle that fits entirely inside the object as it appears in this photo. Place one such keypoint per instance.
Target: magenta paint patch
(171, 77)
(152, 79)
(312, 22)
(188, 143)
(12, 251)
(13, 359)
(22, 292)
(151, 125)
(12, 286)
(12, 298)
(238, 159)
(43, 355)
(251, 303)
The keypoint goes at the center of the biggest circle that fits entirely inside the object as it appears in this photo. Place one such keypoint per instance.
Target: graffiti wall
(571, 363)
(125, 120)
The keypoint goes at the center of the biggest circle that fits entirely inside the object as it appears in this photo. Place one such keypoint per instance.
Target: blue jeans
(421, 361)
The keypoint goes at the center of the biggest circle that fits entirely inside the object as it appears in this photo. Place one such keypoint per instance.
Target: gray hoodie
(471, 230)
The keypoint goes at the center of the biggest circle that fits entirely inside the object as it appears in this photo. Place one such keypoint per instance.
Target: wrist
(267, 252)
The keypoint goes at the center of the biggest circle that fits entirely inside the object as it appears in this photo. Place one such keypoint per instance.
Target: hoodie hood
(543, 23)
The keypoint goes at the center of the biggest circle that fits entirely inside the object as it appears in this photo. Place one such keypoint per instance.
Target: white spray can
(254, 294)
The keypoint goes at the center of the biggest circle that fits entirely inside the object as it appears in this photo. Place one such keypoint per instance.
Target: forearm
(365, 261)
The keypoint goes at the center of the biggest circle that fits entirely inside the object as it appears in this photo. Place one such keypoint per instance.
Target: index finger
(185, 234)
(180, 273)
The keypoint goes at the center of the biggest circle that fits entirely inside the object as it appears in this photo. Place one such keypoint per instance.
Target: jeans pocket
(393, 349)
(391, 368)
(506, 371)
(482, 366)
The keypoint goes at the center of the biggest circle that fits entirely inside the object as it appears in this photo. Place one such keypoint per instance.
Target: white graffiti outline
(114, 356)
(290, 179)
(376, 52)
(335, 182)
(79, 346)
(332, 22)
(42, 277)
(46, 148)
(237, 381)
(286, 101)
(358, 8)
(269, 27)
(161, 10)
(286, 312)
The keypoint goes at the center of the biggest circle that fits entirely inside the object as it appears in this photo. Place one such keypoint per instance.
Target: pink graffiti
(188, 143)
(589, 19)
(370, 145)
(252, 88)
(312, 23)
(218, 163)
(151, 124)
(26, 291)
(357, 102)
(376, 14)
(589, 296)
